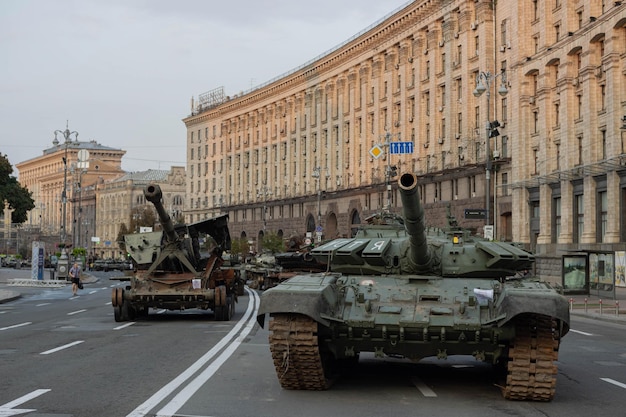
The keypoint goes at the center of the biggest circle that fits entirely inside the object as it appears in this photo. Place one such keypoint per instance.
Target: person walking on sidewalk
(75, 277)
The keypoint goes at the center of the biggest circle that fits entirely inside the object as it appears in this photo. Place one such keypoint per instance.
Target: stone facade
(46, 175)
(293, 155)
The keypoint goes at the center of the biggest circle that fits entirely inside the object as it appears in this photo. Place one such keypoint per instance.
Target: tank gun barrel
(419, 252)
(153, 194)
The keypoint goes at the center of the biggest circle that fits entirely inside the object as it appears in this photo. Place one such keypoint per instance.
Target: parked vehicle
(399, 289)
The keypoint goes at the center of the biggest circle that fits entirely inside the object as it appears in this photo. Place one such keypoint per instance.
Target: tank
(400, 289)
(171, 272)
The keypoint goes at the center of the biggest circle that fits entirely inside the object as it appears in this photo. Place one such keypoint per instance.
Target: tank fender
(510, 304)
(314, 302)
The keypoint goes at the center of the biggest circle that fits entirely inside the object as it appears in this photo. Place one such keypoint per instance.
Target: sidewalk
(598, 307)
(22, 277)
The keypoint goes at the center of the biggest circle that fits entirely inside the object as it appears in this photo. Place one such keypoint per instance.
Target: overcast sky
(123, 71)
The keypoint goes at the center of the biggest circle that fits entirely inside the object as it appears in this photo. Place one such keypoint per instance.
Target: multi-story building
(300, 153)
(118, 200)
(59, 170)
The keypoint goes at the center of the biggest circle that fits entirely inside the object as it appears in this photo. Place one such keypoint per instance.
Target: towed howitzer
(400, 289)
(178, 276)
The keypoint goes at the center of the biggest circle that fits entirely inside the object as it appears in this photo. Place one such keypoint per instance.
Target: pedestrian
(75, 277)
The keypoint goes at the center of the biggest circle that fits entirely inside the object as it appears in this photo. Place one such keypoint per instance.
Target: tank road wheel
(119, 294)
(296, 353)
(531, 368)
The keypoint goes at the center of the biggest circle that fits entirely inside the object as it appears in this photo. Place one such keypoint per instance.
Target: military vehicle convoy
(399, 289)
(170, 271)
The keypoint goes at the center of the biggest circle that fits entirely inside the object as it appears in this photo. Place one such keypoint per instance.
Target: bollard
(585, 305)
(617, 308)
(571, 304)
(600, 307)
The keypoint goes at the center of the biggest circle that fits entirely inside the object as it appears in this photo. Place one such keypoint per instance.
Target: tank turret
(420, 255)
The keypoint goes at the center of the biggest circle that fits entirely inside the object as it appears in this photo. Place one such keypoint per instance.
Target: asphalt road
(66, 356)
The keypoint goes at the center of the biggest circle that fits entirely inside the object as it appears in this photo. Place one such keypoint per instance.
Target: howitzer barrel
(419, 253)
(153, 194)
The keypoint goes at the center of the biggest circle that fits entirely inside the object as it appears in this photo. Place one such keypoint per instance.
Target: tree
(239, 247)
(19, 198)
(273, 243)
(143, 216)
(120, 237)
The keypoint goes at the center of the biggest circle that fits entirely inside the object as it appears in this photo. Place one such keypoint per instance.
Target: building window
(603, 208)
(556, 216)
(579, 216)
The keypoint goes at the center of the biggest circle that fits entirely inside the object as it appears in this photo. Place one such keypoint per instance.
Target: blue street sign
(400, 147)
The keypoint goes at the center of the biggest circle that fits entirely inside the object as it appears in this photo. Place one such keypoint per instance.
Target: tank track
(296, 354)
(531, 368)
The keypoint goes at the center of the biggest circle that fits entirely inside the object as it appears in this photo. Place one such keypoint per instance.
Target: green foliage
(273, 243)
(79, 252)
(120, 237)
(19, 198)
(239, 246)
(141, 217)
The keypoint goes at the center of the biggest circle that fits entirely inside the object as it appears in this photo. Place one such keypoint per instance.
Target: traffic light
(393, 171)
(493, 129)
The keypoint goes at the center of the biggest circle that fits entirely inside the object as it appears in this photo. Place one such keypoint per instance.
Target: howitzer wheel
(114, 297)
(531, 368)
(120, 296)
(117, 313)
(296, 353)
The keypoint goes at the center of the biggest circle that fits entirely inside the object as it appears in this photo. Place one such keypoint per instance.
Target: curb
(9, 296)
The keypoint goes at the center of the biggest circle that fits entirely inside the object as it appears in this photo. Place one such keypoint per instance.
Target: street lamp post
(67, 136)
(264, 192)
(491, 127)
(390, 170)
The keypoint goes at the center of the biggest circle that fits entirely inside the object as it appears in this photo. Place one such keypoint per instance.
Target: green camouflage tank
(398, 289)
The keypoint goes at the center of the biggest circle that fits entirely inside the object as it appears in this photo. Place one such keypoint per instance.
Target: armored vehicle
(171, 272)
(399, 289)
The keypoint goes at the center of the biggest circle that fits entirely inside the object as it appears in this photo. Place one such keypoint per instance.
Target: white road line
(93, 292)
(153, 401)
(186, 393)
(426, 392)
(47, 352)
(42, 304)
(123, 326)
(614, 382)
(579, 332)
(16, 325)
(8, 410)
(71, 313)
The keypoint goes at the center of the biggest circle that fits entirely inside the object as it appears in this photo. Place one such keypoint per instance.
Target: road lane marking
(614, 382)
(124, 325)
(42, 304)
(167, 390)
(426, 392)
(186, 393)
(579, 332)
(16, 325)
(7, 409)
(93, 292)
(47, 352)
(71, 313)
